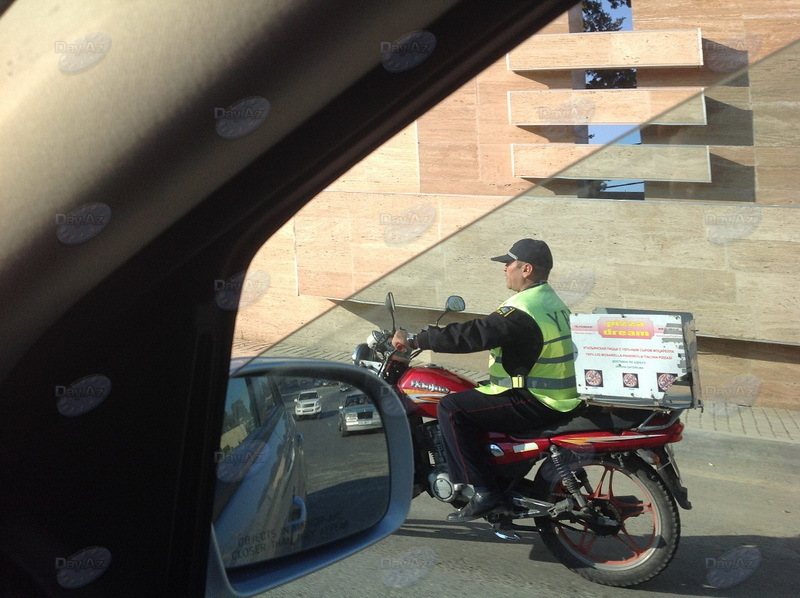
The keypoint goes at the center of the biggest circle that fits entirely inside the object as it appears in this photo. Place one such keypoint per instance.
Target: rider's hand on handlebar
(400, 340)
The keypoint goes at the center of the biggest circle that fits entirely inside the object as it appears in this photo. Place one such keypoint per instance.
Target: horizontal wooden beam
(662, 106)
(678, 163)
(608, 50)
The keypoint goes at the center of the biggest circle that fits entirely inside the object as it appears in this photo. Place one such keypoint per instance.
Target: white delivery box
(636, 358)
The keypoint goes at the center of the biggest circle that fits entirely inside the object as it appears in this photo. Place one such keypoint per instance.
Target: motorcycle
(604, 497)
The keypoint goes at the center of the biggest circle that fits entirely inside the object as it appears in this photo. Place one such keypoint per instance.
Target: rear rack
(657, 409)
(674, 416)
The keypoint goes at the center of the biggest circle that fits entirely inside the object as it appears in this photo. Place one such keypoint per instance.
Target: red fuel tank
(426, 385)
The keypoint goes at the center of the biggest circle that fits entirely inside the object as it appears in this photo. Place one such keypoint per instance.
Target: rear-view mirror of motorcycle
(453, 303)
(314, 463)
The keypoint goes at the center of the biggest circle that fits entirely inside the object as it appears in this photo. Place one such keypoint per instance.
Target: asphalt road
(347, 477)
(330, 457)
(745, 496)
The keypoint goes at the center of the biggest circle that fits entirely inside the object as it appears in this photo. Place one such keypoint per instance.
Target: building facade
(696, 211)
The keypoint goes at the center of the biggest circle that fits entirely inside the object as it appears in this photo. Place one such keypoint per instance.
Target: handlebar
(379, 342)
(394, 362)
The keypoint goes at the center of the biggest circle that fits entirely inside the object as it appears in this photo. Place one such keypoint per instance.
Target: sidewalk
(751, 422)
(726, 418)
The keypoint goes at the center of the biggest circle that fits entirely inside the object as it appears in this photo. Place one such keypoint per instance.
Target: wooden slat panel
(605, 50)
(638, 162)
(672, 106)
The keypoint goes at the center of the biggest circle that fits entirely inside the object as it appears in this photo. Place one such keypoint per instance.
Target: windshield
(357, 400)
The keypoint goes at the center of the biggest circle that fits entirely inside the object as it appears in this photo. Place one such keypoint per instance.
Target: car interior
(123, 148)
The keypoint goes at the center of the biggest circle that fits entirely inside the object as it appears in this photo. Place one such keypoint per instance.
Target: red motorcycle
(604, 495)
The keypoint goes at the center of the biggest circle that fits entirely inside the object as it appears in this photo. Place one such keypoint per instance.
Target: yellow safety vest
(552, 378)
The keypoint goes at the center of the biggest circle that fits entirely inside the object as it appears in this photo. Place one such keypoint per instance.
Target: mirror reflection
(455, 303)
(302, 461)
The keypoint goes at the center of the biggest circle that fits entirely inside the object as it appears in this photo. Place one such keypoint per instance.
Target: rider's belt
(533, 382)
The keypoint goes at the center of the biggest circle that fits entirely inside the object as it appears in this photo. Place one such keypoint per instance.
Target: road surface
(745, 493)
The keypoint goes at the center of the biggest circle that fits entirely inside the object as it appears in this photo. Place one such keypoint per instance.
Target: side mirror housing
(319, 519)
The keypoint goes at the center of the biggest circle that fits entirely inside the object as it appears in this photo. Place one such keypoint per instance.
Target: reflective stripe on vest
(552, 378)
(530, 382)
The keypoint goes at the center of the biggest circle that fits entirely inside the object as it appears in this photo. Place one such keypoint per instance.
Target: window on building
(600, 16)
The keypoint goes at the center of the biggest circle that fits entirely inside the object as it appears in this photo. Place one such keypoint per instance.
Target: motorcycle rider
(531, 369)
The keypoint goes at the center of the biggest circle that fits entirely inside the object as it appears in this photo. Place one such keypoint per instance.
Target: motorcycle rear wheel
(643, 542)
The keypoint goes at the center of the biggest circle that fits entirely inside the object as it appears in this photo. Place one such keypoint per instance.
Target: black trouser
(463, 415)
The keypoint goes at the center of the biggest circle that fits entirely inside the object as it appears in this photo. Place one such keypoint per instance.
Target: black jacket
(512, 329)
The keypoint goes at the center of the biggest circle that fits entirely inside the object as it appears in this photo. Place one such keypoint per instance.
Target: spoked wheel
(631, 531)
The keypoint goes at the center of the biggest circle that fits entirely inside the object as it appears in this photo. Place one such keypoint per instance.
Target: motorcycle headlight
(363, 353)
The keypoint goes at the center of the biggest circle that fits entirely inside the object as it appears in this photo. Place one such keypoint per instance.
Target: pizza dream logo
(83, 395)
(625, 328)
(83, 567)
(83, 223)
(408, 568)
(83, 53)
(242, 118)
(407, 52)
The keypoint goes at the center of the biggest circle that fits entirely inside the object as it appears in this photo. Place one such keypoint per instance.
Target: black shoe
(482, 503)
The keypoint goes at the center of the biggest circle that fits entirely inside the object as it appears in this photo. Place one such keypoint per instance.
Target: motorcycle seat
(591, 418)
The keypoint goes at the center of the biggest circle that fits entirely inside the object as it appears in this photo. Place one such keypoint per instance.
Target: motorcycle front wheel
(637, 531)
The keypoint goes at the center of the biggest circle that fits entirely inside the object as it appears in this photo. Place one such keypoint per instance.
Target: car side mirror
(287, 501)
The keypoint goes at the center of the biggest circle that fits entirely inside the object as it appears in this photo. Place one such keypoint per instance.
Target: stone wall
(421, 215)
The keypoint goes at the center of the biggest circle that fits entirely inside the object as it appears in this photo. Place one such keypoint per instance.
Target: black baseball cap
(531, 251)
